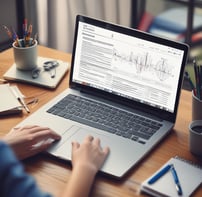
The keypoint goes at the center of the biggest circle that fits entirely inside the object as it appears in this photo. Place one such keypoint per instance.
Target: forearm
(80, 183)
(14, 181)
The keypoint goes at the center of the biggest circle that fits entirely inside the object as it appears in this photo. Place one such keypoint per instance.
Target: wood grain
(52, 174)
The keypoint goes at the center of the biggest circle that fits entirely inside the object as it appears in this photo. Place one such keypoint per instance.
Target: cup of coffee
(195, 137)
(25, 56)
(196, 108)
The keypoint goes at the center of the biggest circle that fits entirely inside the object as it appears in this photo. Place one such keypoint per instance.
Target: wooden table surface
(52, 174)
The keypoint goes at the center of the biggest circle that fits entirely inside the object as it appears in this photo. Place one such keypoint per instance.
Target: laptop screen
(128, 65)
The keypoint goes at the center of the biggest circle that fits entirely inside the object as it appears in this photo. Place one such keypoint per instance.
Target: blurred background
(53, 21)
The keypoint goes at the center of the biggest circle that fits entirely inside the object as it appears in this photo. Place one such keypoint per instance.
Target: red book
(145, 21)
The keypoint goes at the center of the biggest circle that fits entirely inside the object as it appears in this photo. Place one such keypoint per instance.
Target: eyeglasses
(48, 66)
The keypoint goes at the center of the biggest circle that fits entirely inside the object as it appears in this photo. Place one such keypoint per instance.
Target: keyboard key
(102, 116)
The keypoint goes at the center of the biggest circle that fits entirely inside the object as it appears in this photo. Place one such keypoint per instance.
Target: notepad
(44, 78)
(189, 174)
(9, 103)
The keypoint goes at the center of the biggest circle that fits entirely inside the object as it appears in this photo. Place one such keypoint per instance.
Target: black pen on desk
(20, 100)
(176, 179)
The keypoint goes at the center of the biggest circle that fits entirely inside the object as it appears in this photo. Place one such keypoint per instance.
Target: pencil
(197, 80)
(193, 88)
(20, 100)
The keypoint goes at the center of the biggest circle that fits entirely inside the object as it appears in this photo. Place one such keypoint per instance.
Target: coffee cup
(195, 137)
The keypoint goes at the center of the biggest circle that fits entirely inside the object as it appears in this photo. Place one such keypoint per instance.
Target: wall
(159, 6)
(8, 18)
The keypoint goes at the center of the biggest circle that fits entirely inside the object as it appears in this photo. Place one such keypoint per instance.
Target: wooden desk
(52, 174)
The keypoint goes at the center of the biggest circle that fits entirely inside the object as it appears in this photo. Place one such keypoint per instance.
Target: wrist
(88, 169)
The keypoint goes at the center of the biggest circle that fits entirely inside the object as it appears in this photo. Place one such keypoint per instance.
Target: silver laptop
(124, 88)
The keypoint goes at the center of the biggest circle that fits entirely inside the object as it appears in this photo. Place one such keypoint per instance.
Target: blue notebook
(189, 175)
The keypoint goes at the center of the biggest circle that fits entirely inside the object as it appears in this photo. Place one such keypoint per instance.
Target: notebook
(124, 88)
(189, 175)
(9, 103)
(44, 78)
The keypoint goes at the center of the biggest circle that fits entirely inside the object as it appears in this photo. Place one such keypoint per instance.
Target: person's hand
(87, 158)
(89, 154)
(29, 140)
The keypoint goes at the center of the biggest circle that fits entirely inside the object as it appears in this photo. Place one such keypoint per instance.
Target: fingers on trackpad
(81, 133)
(63, 147)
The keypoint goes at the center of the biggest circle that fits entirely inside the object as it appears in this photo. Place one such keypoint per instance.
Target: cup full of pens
(25, 48)
(196, 86)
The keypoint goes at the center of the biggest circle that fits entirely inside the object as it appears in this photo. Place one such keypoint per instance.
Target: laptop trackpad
(76, 134)
(120, 152)
(81, 134)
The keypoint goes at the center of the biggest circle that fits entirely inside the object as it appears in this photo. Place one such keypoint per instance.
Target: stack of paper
(9, 103)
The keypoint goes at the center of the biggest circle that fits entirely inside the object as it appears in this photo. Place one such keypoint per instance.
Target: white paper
(8, 100)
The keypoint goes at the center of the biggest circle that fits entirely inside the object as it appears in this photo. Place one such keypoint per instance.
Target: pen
(8, 31)
(16, 39)
(28, 35)
(34, 39)
(20, 100)
(159, 174)
(190, 82)
(27, 40)
(25, 27)
(176, 179)
(200, 76)
(197, 80)
(3, 81)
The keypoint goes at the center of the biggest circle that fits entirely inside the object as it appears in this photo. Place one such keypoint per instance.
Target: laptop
(124, 88)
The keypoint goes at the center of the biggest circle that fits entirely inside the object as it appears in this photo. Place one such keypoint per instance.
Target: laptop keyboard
(103, 116)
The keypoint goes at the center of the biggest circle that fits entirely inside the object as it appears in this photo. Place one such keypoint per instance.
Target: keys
(105, 117)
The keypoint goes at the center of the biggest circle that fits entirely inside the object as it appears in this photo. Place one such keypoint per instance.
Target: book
(189, 175)
(168, 34)
(9, 103)
(44, 78)
(145, 22)
(196, 37)
(172, 24)
(174, 20)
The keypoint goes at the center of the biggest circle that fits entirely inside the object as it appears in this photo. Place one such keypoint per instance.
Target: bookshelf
(138, 11)
(139, 8)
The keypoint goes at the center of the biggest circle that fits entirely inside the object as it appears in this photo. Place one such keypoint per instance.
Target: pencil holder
(196, 108)
(25, 56)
